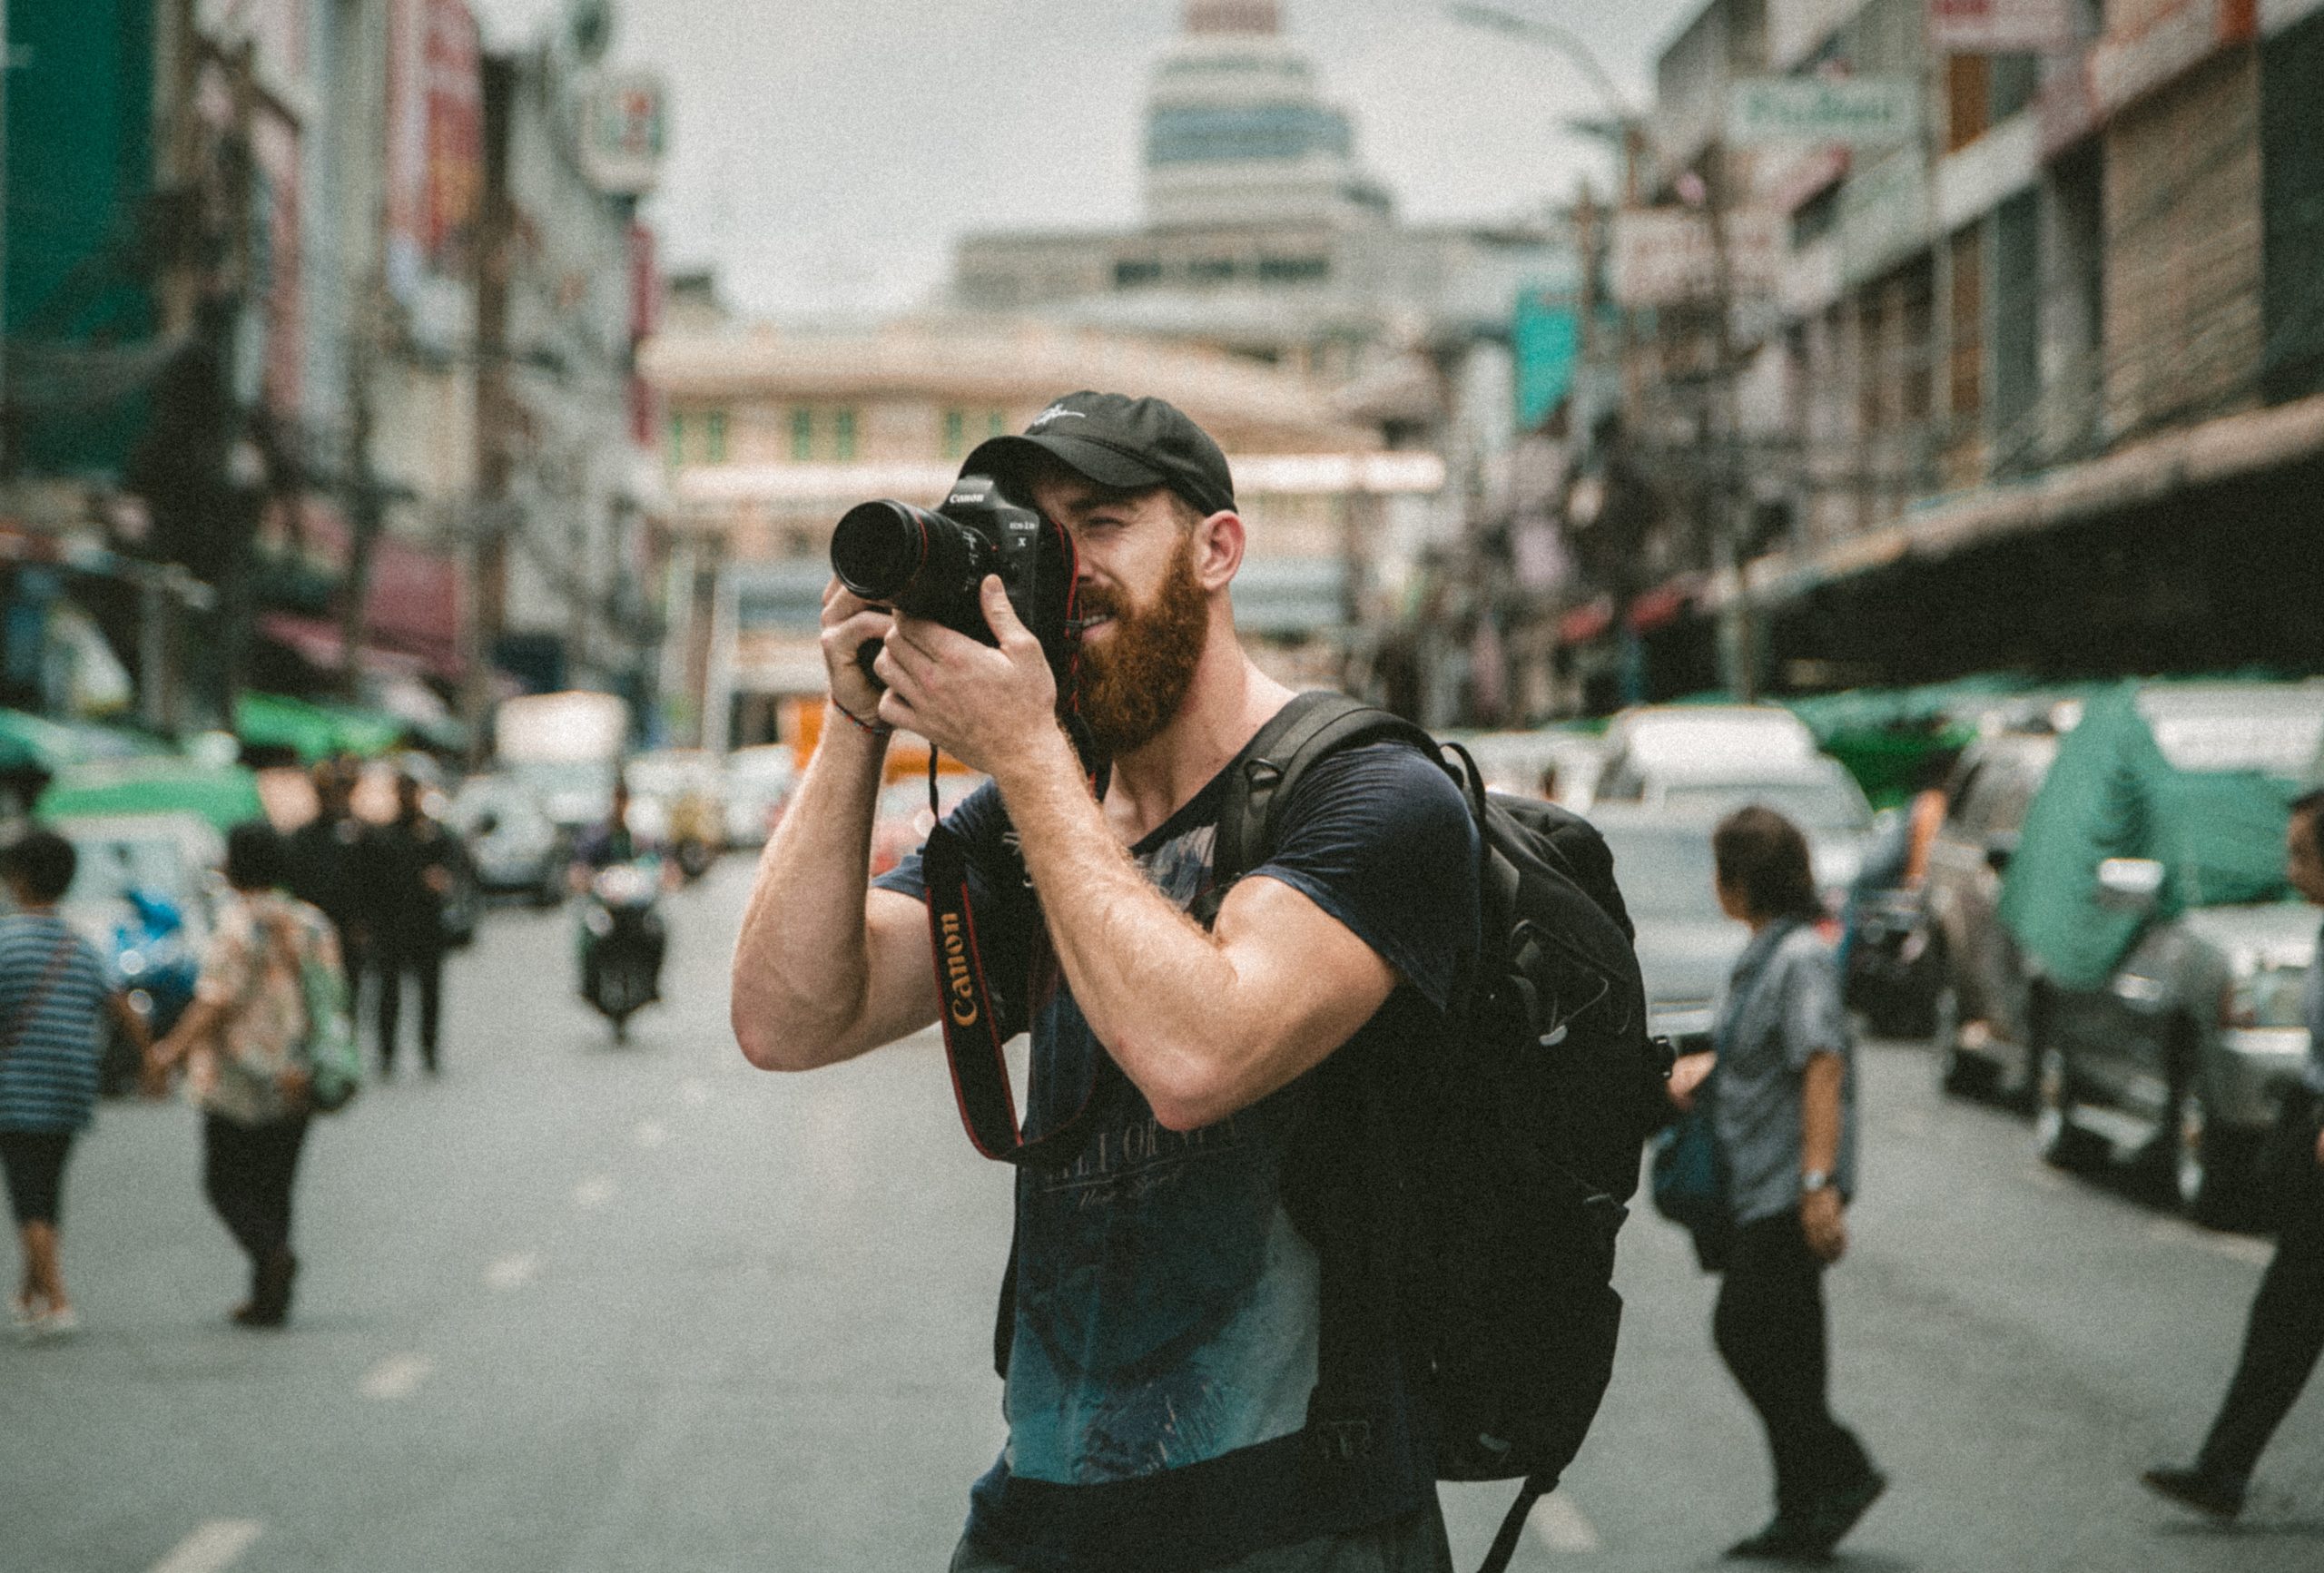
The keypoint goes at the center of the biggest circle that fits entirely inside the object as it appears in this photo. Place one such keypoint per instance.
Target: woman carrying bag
(1783, 1113)
(260, 1043)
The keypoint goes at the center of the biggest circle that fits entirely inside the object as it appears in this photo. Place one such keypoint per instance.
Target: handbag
(1689, 1181)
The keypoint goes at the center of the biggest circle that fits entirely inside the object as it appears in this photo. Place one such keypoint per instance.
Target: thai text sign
(1854, 112)
(1667, 256)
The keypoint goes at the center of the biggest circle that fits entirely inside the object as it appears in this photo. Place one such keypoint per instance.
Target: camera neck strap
(976, 1021)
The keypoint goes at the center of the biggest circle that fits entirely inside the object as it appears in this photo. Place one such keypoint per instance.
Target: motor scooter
(621, 941)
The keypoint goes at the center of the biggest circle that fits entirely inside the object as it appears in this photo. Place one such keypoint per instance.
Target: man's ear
(1219, 542)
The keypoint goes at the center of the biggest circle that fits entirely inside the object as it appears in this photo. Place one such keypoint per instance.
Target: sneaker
(2193, 1488)
(1830, 1520)
(20, 1310)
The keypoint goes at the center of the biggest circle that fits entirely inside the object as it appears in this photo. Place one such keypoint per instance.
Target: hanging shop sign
(1667, 256)
(1848, 111)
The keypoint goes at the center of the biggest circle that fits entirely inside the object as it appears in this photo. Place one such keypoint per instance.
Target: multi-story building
(2050, 367)
(568, 492)
(771, 435)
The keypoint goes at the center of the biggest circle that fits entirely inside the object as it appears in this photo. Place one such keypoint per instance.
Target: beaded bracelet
(869, 728)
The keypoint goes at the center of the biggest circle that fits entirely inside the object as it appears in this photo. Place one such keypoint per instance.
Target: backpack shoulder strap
(1311, 726)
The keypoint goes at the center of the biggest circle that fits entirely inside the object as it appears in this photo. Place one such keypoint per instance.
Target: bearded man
(1161, 1348)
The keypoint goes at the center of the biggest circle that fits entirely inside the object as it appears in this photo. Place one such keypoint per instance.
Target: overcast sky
(825, 152)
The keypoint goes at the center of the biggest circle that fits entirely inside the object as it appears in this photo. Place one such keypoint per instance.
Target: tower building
(1237, 130)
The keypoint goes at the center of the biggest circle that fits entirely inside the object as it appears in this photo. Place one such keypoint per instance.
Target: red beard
(1131, 684)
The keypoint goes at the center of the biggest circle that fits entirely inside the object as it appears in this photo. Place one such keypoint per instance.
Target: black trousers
(247, 1172)
(427, 966)
(2281, 1342)
(1769, 1329)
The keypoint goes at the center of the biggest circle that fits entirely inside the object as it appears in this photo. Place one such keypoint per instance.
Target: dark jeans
(2281, 1344)
(1769, 1329)
(1413, 1544)
(427, 966)
(247, 1172)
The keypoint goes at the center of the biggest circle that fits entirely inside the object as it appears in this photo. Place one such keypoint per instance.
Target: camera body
(932, 565)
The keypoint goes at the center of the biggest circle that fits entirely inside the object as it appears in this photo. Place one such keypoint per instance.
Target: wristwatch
(1812, 1180)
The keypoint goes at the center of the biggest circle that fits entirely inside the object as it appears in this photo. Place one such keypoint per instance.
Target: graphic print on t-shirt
(1165, 1304)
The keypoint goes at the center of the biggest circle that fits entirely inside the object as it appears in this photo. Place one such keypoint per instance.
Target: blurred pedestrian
(413, 861)
(328, 860)
(53, 995)
(2285, 1334)
(242, 1037)
(1785, 1114)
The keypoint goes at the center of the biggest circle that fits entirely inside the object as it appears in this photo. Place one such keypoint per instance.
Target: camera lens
(879, 548)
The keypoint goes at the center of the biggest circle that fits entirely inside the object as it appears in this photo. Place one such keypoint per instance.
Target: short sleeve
(1814, 1019)
(1379, 837)
(982, 825)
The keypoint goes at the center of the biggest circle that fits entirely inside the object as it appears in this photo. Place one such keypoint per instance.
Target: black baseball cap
(1117, 442)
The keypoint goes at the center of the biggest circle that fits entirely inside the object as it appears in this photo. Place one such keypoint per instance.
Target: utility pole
(366, 504)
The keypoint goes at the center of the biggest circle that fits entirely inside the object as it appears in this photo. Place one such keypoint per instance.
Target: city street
(584, 1309)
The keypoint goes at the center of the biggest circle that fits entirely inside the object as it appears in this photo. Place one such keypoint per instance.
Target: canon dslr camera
(933, 564)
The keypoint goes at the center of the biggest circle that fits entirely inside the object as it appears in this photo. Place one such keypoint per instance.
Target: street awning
(312, 731)
(2230, 448)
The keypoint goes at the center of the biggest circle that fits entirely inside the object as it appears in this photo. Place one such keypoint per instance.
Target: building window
(1293, 270)
(803, 435)
(675, 451)
(956, 433)
(997, 423)
(1131, 275)
(1211, 270)
(714, 437)
(843, 435)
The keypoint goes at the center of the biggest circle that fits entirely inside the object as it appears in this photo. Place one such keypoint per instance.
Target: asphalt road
(580, 1309)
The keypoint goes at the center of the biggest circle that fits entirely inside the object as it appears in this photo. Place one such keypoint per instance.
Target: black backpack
(1503, 1165)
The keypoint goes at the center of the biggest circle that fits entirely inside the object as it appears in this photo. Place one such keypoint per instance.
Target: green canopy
(314, 730)
(225, 795)
(2219, 835)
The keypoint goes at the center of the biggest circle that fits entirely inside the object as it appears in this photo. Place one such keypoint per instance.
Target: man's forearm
(1156, 989)
(801, 965)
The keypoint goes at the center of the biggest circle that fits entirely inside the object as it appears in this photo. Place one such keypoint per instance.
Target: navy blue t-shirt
(1166, 1335)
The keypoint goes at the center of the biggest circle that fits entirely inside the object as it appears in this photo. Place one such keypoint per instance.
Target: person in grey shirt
(1784, 1108)
(2285, 1335)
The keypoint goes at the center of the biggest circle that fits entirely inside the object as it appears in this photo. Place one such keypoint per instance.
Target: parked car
(1687, 945)
(758, 785)
(142, 894)
(2175, 1047)
(1978, 1016)
(512, 841)
(1565, 761)
(1741, 739)
(1815, 793)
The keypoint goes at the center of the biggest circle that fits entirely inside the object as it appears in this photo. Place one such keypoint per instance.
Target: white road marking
(2239, 1247)
(694, 1092)
(652, 1134)
(514, 1271)
(398, 1376)
(1559, 1526)
(594, 1192)
(216, 1545)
